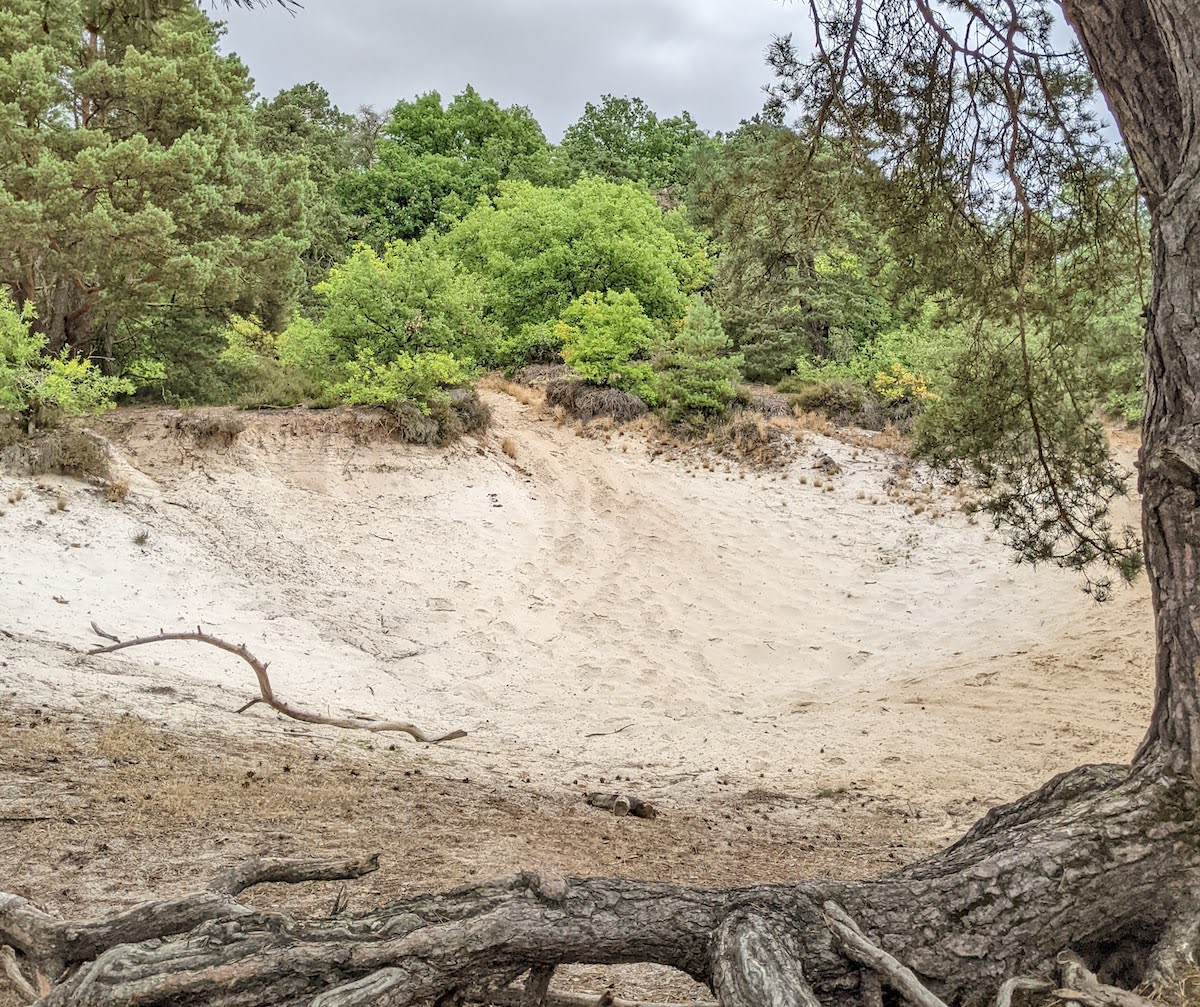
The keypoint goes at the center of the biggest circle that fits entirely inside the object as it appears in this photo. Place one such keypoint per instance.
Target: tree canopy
(434, 161)
(129, 178)
(622, 139)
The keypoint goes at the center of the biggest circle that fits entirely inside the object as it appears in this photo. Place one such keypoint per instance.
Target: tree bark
(1143, 54)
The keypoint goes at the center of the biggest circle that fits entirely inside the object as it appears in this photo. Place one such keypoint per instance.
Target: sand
(586, 611)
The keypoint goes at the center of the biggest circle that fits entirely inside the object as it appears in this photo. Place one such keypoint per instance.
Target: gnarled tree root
(1093, 860)
(267, 693)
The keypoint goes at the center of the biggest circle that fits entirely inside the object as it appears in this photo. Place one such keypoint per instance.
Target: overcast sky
(705, 56)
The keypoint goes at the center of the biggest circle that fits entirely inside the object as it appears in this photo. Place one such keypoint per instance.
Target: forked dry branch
(267, 693)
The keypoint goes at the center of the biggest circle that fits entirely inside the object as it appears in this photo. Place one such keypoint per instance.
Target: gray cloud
(705, 56)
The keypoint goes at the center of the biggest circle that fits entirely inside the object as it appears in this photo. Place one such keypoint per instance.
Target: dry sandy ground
(803, 679)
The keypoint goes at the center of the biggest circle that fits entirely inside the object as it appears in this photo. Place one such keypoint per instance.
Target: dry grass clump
(1184, 991)
(445, 422)
(524, 394)
(413, 426)
(211, 426)
(889, 438)
(770, 404)
(585, 402)
(463, 412)
(540, 375)
(63, 451)
(812, 423)
(362, 426)
(470, 410)
(509, 447)
(755, 440)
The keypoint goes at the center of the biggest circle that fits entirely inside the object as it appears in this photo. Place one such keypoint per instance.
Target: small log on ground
(622, 804)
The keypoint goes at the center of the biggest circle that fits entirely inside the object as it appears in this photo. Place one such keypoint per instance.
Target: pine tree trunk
(1170, 475)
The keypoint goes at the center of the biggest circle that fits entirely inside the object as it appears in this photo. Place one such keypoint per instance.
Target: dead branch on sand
(267, 694)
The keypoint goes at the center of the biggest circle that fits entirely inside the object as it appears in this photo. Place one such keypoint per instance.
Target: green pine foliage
(697, 372)
(129, 175)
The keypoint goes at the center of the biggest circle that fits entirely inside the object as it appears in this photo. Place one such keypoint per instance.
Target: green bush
(605, 341)
(411, 300)
(256, 376)
(34, 385)
(840, 399)
(697, 375)
(422, 379)
(532, 344)
(539, 249)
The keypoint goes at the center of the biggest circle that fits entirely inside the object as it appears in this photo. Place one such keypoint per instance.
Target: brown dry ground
(99, 810)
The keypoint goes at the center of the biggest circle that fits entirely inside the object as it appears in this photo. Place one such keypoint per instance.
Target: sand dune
(586, 610)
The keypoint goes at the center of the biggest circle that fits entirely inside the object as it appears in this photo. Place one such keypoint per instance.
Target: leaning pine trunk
(1170, 474)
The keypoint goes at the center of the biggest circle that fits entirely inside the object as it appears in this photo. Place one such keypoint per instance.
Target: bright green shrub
(421, 379)
(308, 348)
(255, 375)
(606, 338)
(900, 385)
(697, 374)
(531, 344)
(409, 301)
(32, 383)
(538, 250)
(246, 342)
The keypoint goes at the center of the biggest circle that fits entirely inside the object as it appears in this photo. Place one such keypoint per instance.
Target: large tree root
(267, 693)
(1052, 889)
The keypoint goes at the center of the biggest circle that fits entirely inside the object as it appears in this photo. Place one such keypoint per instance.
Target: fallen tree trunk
(1053, 888)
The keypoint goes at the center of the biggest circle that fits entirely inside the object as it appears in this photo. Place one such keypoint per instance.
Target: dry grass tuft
(63, 451)
(771, 405)
(116, 491)
(127, 738)
(211, 426)
(362, 426)
(586, 402)
(524, 394)
(812, 423)
(755, 440)
(1183, 992)
(61, 499)
(540, 375)
(509, 447)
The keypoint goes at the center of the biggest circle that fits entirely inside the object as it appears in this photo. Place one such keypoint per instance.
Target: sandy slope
(738, 632)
